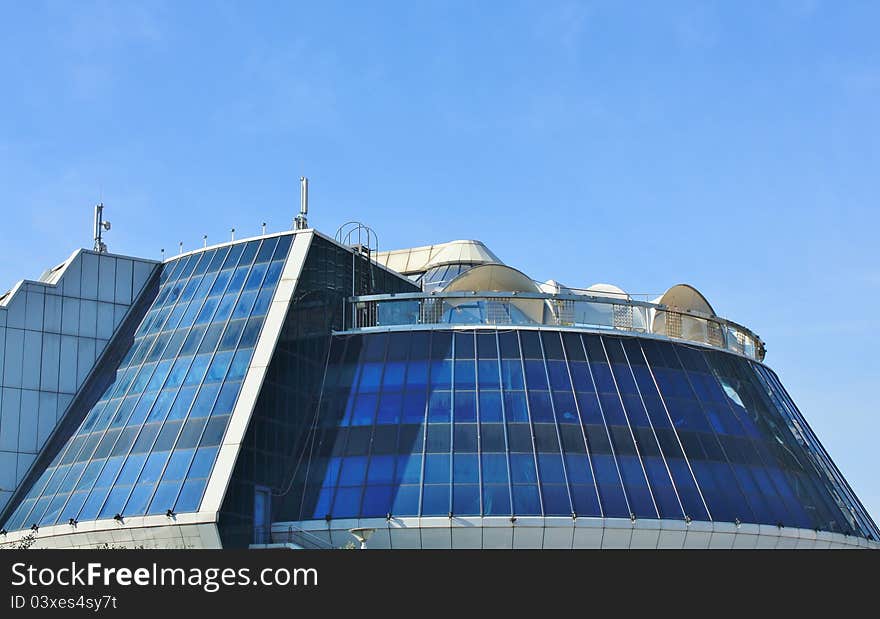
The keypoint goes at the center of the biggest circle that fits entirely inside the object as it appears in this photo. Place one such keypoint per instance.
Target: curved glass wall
(436, 278)
(148, 445)
(539, 422)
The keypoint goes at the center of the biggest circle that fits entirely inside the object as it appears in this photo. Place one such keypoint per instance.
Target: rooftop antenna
(300, 222)
(100, 227)
(264, 228)
(162, 252)
(180, 247)
(204, 240)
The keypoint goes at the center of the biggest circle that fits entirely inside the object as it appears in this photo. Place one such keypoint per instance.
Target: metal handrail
(410, 309)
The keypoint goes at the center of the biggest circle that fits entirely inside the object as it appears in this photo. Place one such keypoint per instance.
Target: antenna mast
(100, 227)
(300, 222)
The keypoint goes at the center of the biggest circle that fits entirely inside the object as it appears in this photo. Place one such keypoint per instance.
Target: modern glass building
(290, 388)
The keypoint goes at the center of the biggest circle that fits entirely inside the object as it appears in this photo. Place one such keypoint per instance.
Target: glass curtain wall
(528, 422)
(149, 443)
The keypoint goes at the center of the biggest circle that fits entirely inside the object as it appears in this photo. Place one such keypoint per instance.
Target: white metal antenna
(180, 246)
(264, 228)
(232, 231)
(301, 222)
(100, 227)
(204, 240)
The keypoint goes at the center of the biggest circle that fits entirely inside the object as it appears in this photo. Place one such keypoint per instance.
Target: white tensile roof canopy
(416, 260)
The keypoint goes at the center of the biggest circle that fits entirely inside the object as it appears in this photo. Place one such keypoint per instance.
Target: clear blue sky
(733, 146)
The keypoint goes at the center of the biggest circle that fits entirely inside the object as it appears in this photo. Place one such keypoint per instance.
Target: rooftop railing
(601, 313)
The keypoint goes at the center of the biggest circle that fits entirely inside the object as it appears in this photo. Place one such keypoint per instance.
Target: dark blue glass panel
(437, 469)
(381, 470)
(494, 468)
(465, 406)
(556, 500)
(376, 501)
(406, 501)
(190, 496)
(515, 407)
(522, 468)
(496, 500)
(526, 501)
(466, 500)
(346, 504)
(435, 500)
(440, 406)
(490, 406)
(466, 468)
(540, 406)
(610, 490)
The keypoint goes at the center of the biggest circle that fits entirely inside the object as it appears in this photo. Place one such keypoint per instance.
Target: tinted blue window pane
(556, 501)
(131, 469)
(239, 364)
(406, 501)
(466, 468)
(165, 497)
(511, 374)
(377, 501)
(364, 410)
(439, 406)
(190, 496)
(566, 410)
(409, 469)
(390, 406)
(550, 467)
(115, 501)
(435, 500)
(465, 406)
(205, 400)
(610, 490)
(139, 499)
(153, 467)
(441, 374)
(202, 463)
(526, 501)
(92, 505)
(540, 407)
(352, 471)
(219, 366)
(414, 405)
(515, 406)
(393, 376)
(71, 510)
(490, 406)
(347, 502)
(496, 500)
(417, 374)
(437, 469)
(226, 398)
(178, 465)
(381, 470)
(494, 468)
(465, 377)
(536, 378)
(371, 377)
(522, 468)
(111, 468)
(466, 500)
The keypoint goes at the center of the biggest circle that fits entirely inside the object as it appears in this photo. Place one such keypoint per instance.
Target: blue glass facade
(150, 441)
(559, 423)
